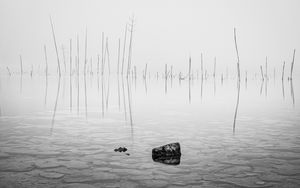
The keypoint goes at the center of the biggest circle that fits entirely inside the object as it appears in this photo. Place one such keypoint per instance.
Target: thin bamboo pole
(238, 58)
(292, 66)
(190, 67)
(124, 47)
(130, 49)
(266, 73)
(282, 77)
(215, 62)
(85, 52)
(262, 73)
(8, 71)
(53, 34)
(21, 64)
(46, 60)
(201, 66)
(118, 66)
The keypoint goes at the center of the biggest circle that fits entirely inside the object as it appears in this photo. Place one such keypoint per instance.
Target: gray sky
(165, 31)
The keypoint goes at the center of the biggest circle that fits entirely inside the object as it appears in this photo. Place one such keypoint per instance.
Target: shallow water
(52, 134)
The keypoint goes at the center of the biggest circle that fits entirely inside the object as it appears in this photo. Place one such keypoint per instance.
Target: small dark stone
(121, 149)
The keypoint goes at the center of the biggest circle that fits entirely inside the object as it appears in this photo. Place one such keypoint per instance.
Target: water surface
(62, 132)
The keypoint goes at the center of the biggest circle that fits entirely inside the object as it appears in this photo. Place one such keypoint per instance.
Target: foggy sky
(164, 32)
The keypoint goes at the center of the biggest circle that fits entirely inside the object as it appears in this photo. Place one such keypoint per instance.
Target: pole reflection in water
(282, 84)
(166, 85)
(201, 87)
(190, 95)
(215, 89)
(292, 92)
(237, 105)
(46, 90)
(102, 94)
(107, 94)
(85, 96)
(21, 82)
(261, 86)
(119, 98)
(145, 83)
(266, 88)
(129, 106)
(124, 101)
(55, 106)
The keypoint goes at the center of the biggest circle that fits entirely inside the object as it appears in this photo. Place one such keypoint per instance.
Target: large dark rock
(173, 160)
(167, 154)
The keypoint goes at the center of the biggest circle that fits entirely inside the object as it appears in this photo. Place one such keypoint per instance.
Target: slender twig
(107, 50)
(262, 73)
(237, 53)
(21, 64)
(124, 47)
(64, 58)
(282, 77)
(46, 61)
(130, 49)
(266, 73)
(215, 62)
(190, 67)
(8, 71)
(118, 66)
(292, 66)
(58, 63)
(201, 66)
(85, 51)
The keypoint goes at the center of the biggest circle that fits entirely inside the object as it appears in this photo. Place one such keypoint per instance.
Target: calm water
(63, 133)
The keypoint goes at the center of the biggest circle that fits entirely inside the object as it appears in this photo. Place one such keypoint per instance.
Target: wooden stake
(53, 34)
(237, 53)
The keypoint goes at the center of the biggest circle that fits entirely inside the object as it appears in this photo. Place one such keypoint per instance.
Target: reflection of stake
(55, 106)
(282, 84)
(124, 99)
(129, 102)
(102, 94)
(292, 93)
(46, 89)
(85, 96)
(261, 86)
(71, 74)
(237, 106)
